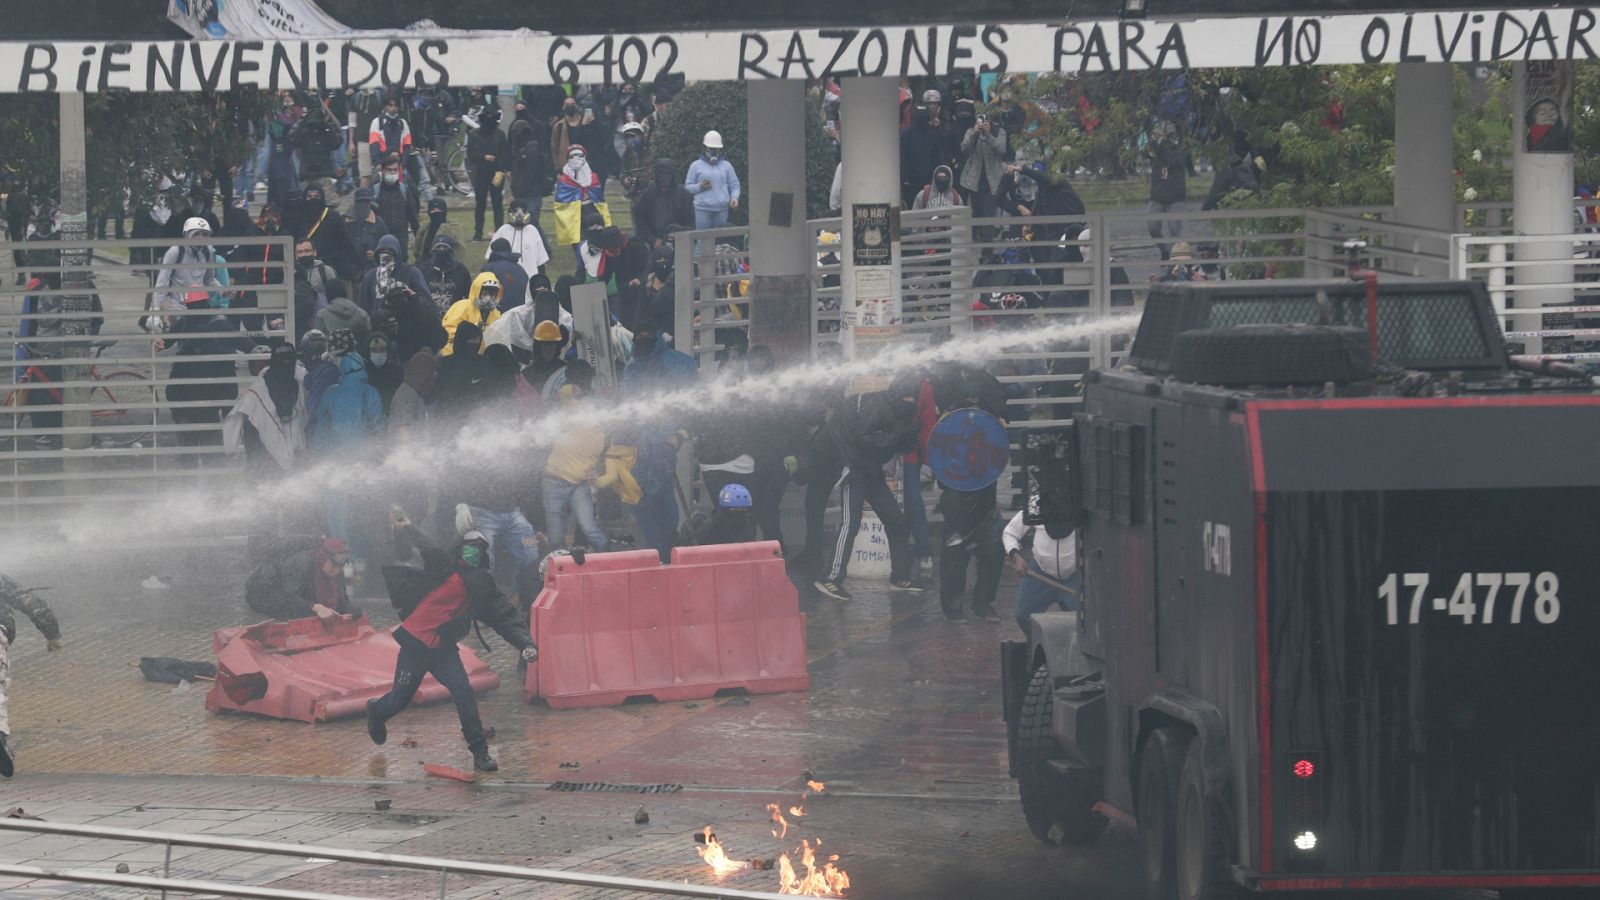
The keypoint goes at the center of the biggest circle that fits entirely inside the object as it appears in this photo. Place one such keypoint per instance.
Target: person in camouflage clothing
(15, 598)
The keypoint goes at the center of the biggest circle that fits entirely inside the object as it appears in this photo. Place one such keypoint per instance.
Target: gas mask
(519, 218)
(487, 298)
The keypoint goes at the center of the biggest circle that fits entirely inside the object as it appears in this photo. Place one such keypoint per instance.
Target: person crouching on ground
(429, 630)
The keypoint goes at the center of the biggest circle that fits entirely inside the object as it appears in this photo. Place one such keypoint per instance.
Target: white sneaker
(925, 563)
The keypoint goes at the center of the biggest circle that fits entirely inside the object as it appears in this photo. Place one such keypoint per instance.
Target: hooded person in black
(447, 277)
(384, 371)
(309, 218)
(533, 175)
(438, 215)
(487, 162)
(466, 378)
(971, 529)
(666, 207)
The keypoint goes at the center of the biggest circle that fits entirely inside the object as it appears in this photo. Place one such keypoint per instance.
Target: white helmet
(713, 140)
(196, 223)
(632, 127)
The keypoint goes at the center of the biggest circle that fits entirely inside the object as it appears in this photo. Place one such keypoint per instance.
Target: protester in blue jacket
(714, 184)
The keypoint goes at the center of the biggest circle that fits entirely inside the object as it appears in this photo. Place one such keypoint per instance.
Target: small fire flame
(780, 825)
(797, 811)
(827, 880)
(815, 787)
(711, 852)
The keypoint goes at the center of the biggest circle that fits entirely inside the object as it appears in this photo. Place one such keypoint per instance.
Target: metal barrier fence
(123, 365)
(1554, 313)
(960, 273)
(445, 867)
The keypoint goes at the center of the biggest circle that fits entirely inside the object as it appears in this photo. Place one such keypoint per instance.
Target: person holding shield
(968, 451)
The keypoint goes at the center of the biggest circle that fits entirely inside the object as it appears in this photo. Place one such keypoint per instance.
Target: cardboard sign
(591, 331)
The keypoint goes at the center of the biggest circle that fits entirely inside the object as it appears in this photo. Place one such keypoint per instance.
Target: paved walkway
(902, 721)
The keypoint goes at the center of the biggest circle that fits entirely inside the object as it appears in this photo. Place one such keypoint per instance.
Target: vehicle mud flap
(1014, 675)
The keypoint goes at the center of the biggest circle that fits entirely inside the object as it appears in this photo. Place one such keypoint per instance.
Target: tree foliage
(720, 106)
(132, 140)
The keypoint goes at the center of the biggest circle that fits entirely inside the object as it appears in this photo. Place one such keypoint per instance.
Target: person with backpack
(460, 590)
(397, 203)
(308, 580)
(940, 192)
(311, 280)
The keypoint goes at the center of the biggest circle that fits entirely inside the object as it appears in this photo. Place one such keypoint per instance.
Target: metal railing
(117, 388)
(445, 867)
(1553, 310)
(960, 273)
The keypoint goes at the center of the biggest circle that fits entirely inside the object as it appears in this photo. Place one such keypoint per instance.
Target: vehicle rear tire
(1160, 765)
(1203, 853)
(1057, 807)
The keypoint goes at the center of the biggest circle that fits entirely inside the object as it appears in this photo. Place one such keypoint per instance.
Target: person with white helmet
(193, 274)
(714, 184)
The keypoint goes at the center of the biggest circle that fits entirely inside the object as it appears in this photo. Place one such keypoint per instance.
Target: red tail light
(1306, 805)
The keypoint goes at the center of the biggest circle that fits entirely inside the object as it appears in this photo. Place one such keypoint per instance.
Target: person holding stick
(1051, 577)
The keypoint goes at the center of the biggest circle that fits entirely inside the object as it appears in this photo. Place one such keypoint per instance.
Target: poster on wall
(1547, 107)
(871, 234)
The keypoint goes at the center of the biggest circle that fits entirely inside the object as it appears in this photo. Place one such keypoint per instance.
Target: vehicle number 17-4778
(1502, 593)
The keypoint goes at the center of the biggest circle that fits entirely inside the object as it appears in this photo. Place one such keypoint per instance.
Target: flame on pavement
(815, 876)
(826, 880)
(711, 852)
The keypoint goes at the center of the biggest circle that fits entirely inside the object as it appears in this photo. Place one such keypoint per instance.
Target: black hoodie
(667, 205)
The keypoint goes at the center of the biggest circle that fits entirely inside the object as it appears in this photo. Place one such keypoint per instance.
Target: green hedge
(720, 105)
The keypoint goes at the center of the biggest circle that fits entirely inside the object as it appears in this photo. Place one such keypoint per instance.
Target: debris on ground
(17, 812)
(382, 805)
(641, 816)
(409, 743)
(571, 765)
(450, 772)
(167, 670)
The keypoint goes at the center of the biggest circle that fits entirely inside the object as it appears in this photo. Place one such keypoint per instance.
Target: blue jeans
(250, 170)
(512, 531)
(1036, 596)
(558, 496)
(916, 510)
(657, 517)
(708, 218)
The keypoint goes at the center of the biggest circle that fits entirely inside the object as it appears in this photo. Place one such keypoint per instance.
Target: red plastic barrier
(622, 625)
(313, 671)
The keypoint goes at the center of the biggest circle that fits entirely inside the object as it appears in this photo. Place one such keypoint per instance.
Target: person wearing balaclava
(664, 208)
(1055, 556)
(533, 173)
(196, 380)
(384, 371)
(389, 277)
(322, 369)
(488, 162)
(269, 420)
(282, 176)
(318, 223)
(504, 264)
(940, 193)
(578, 188)
(447, 276)
(463, 376)
(408, 409)
(526, 240)
(438, 216)
(479, 309)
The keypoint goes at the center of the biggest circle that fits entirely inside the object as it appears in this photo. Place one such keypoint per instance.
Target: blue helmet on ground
(734, 496)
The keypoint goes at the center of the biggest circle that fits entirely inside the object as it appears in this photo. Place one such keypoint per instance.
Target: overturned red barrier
(313, 671)
(622, 625)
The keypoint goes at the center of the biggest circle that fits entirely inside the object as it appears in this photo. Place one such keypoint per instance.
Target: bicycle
(120, 407)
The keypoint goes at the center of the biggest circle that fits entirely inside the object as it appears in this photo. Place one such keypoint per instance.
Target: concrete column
(781, 244)
(1541, 203)
(870, 131)
(74, 227)
(1424, 165)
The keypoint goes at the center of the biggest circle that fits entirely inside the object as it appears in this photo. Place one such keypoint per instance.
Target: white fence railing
(104, 402)
(1545, 287)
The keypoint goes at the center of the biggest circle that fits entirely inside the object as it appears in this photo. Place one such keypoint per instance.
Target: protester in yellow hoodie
(577, 462)
(480, 308)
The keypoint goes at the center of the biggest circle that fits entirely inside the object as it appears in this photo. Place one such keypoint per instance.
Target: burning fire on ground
(816, 875)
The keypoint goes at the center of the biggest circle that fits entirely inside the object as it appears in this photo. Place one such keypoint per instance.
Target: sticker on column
(1547, 107)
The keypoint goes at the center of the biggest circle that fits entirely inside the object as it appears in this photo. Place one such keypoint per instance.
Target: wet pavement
(902, 721)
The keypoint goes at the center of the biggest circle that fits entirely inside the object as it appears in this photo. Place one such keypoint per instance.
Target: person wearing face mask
(283, 168)
(637, 162)
(579, 189)
(663, 208)
(390, 134)
(504, 265)
(564, 131)
(316, 137)
(384, 371)
(526, 239)
(479, 309)
(311, 280)
(307, 580)
(269, 421)
(389, 277)
(714, 184)
(447, 277)
(438, 217)
(459, 589)
(939, 193)
(313, 220)
(189, 283)
(487, 162)
(366, 228)
(396, 203)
